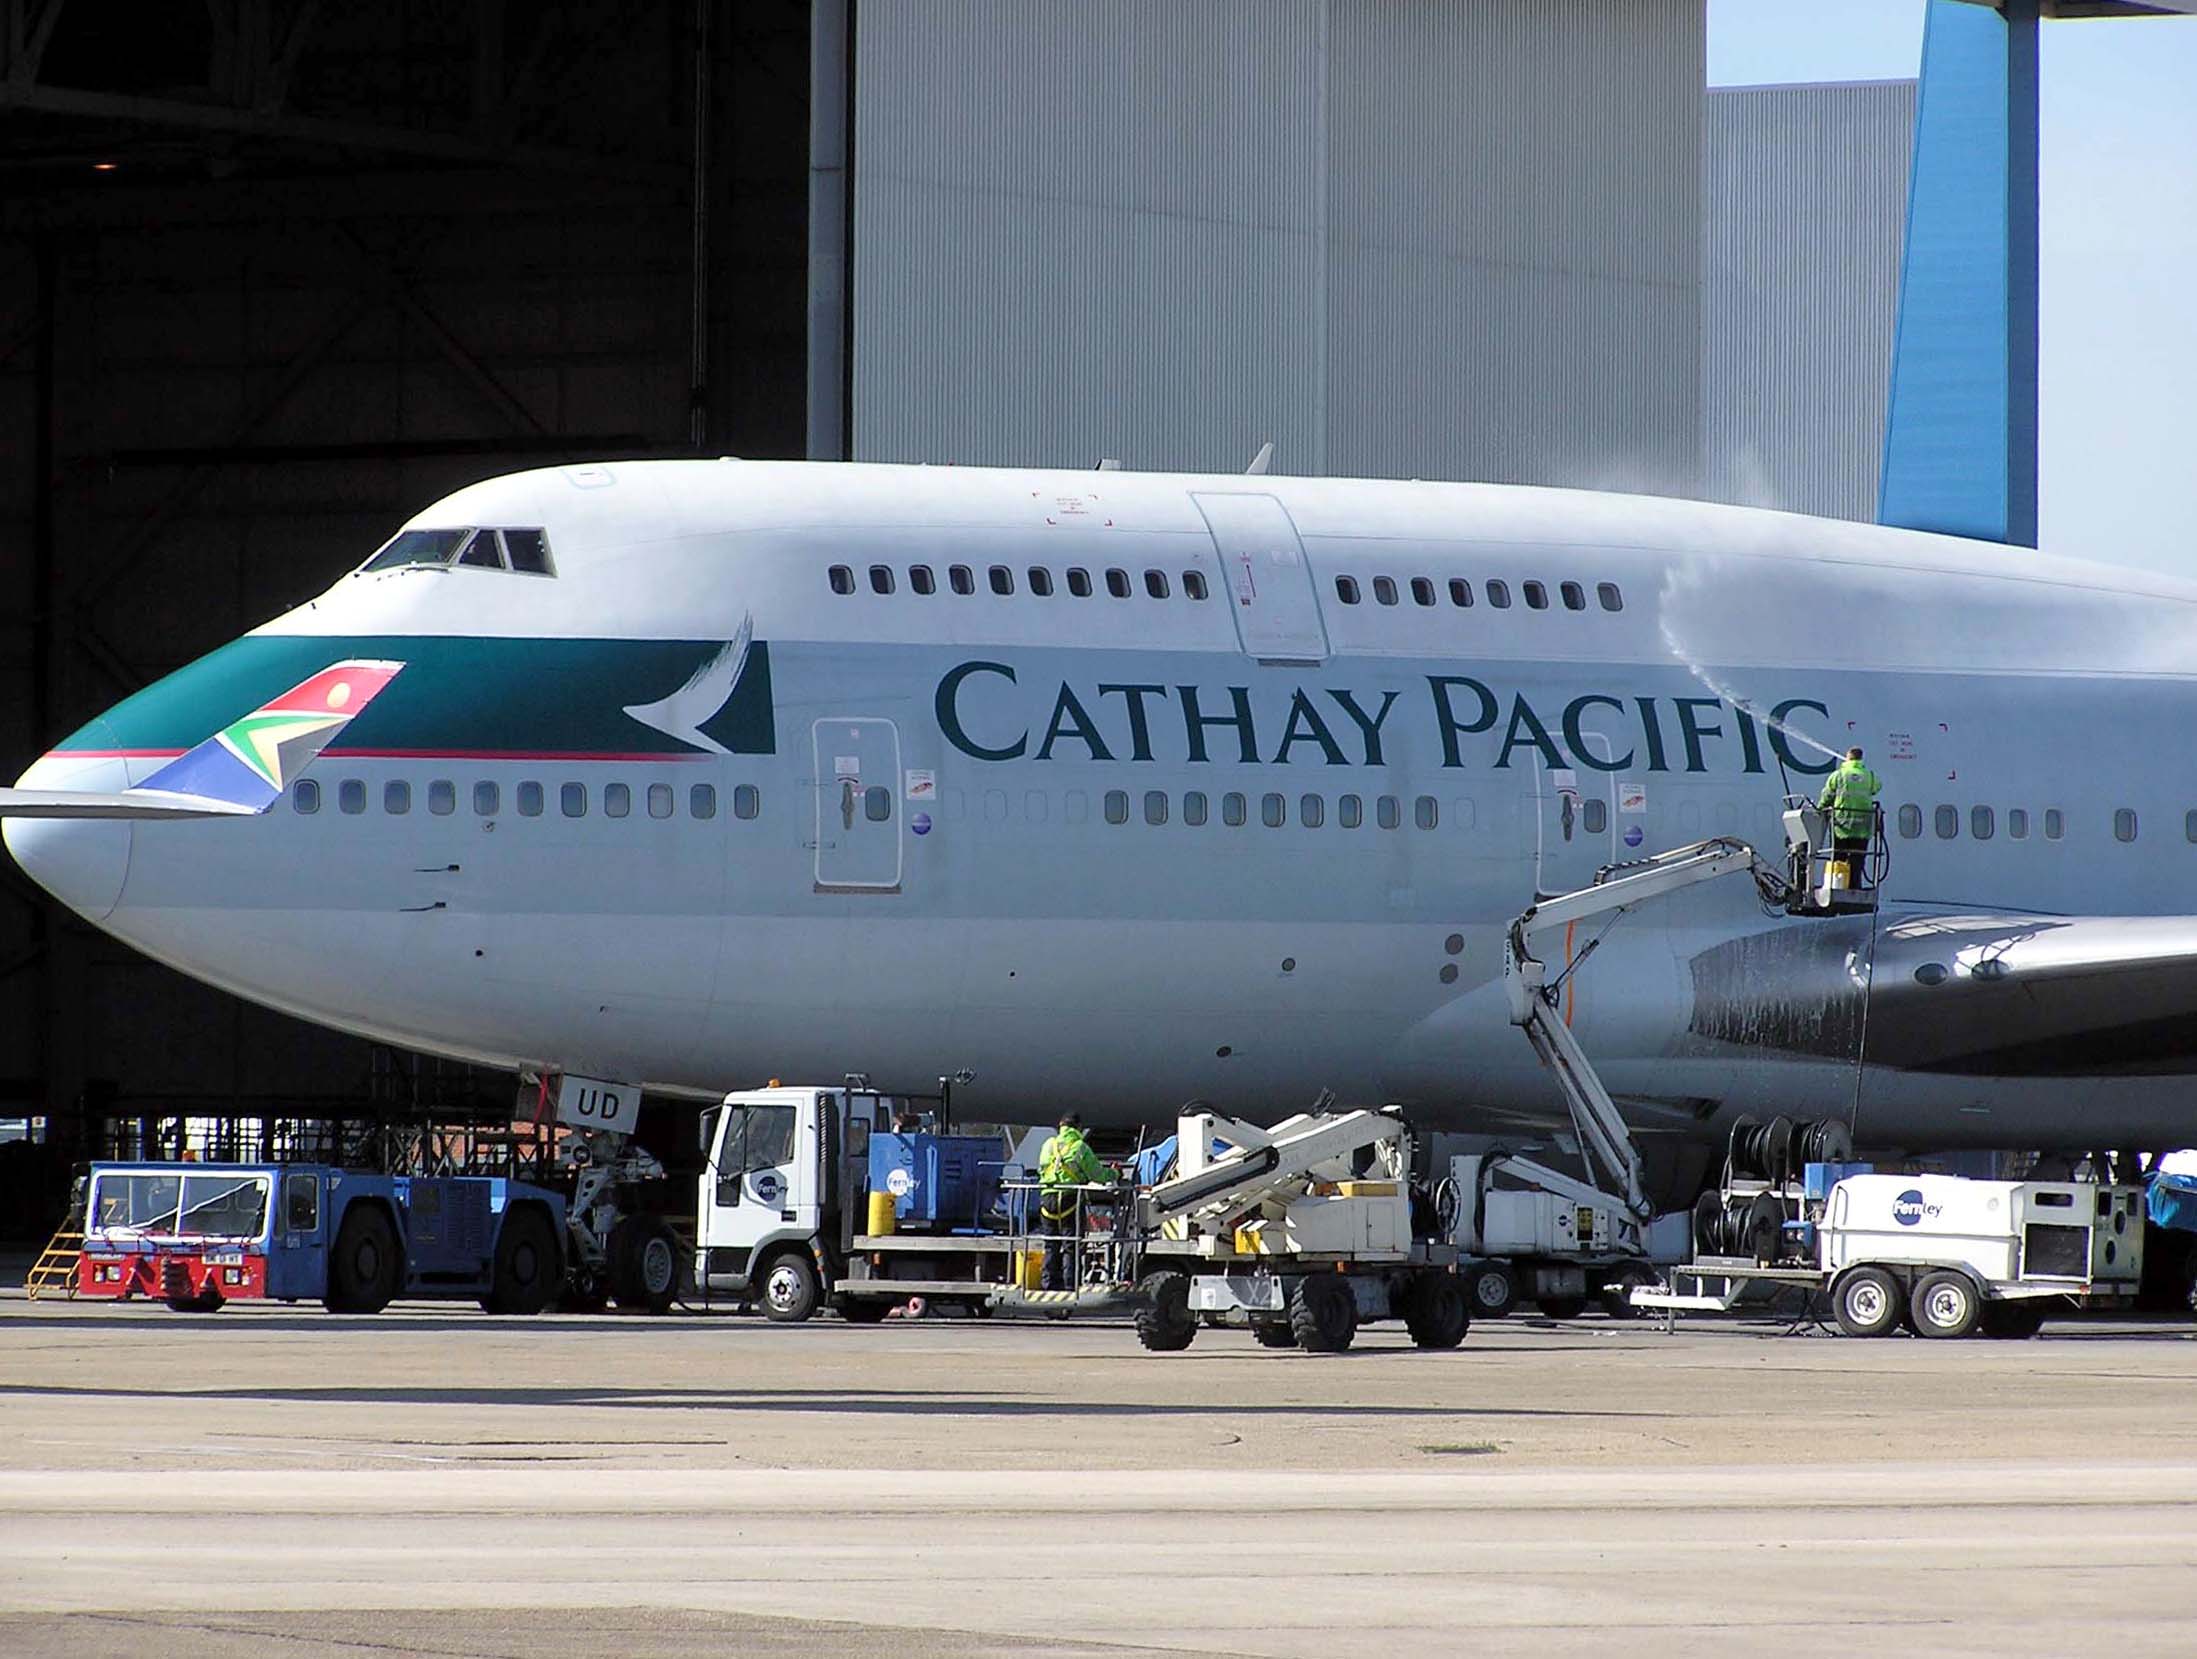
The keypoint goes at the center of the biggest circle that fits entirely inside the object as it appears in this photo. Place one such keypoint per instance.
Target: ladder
(55, 1268)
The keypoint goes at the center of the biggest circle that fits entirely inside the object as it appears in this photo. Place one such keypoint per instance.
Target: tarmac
(271, 1480)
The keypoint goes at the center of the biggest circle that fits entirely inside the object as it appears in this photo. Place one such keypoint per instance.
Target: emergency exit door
(1265, 578)
(857, 806)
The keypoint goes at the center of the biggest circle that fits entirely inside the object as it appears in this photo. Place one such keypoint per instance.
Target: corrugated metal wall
(1441, 240)
(1804, 192)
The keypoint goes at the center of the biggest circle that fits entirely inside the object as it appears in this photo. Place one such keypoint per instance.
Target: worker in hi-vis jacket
(1064, 1163)
(1850, 797)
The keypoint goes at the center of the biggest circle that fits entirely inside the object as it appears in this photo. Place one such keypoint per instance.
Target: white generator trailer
(1944, 1254)
(1529, 1231)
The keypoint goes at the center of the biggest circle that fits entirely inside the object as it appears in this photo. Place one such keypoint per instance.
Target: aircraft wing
(242, 769)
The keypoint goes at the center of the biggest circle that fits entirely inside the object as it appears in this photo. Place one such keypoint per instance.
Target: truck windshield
(224, 1206)
(768, 1138)
(136, 1203)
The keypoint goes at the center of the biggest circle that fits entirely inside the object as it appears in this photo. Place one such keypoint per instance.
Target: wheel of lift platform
(1273, 1333)
(1435, 1311)
(1561, 1307)
(1323, 1313)
(1945, 1304)
(790, 1288)
(208, 1300)
(1616, 1292)
(1165, 1324)
(528, 1268)
(585, 1290)
(1492, 1290)
(363, 1266)
(1868, 1302)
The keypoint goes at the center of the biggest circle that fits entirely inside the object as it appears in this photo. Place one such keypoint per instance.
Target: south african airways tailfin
(242, 769)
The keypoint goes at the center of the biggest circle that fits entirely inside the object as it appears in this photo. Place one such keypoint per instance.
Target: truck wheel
(1165, 1323)
(1492, 1289)
(364, 1268)
(643, 1258)
(1273, 1333)
(2013, 1320)
(1616, 1294)
(1867, 1302)
(1945, 1304)
(528, 1268)
(1323, 1313)
(790, 1290)
(206, 1301)
(863, 1310)
(1562, 1307)
(1434, 1311)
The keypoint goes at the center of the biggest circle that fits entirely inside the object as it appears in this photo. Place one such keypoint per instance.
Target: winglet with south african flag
(242, 769)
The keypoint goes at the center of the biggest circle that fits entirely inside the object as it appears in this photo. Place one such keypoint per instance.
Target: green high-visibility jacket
(1066, 1160)
(1850, 797)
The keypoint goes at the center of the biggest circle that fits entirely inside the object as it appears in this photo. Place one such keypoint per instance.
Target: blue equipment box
(936, 1181)
(1821, 1178)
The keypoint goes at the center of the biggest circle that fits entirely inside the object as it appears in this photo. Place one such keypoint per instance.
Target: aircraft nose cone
(80, 861)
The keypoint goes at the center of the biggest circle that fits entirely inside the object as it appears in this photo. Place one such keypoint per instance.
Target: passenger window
(1155, 806)
(747, 801)
(442, 797)
(1575, 596)
(1498, 593)
(1155, 583)
(1311, 811)
(1612, 599)
(702, 801)
(1193, 584)
(1460, 593)
(1117, 806)
(2017, 823)
(306, 797)
(1233, 810)
(1537, 596)
(482, 551)
(1002, 580)
(1947, 822)
(1426, 812)
(1981, 822)
(881, 578)
(1422, 591)
(572, 800)
(842, 578)
(1346, 589)
(300, 1202)
(617, 800)
(530, 800)
(396, 797)
(1387, 812)
(2124, 824)
(1384, 589)
(1117, 583)
(1273, 811)
(877, 803)
(920, 579)
(2189, 824)
(1349, 812)
(1595, 815)
(528, 551)
(2055, 825)
(1910, 820)
(487, 799)
(1041, 581)
(1079, 582)
(1193, 809)
(660, 800)
(961, 579)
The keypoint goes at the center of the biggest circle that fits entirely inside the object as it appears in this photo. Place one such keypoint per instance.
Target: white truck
(1944, 1255)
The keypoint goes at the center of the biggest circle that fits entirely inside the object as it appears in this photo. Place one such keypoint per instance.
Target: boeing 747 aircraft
(1119, 789)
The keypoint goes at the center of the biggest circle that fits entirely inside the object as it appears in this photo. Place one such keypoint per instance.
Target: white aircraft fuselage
(1207, 787)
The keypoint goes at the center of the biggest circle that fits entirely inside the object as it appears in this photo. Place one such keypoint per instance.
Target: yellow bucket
(884, 1216)
(1029, 1269)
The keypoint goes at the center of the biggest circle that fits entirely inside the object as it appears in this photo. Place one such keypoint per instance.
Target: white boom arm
(1604, 1139)
(1260, 1161)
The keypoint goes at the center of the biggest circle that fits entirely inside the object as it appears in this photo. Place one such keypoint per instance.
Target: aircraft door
(1575, 820)
(1265, 577)
(857, 806)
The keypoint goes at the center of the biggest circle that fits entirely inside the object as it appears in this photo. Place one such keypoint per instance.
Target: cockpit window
(417, 547)
(526, 551)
